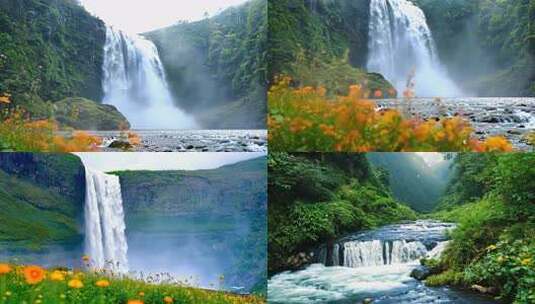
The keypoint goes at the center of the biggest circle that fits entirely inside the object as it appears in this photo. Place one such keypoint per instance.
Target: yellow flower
(75, 283)
(491, 247)
(34, 274)
(525, 262)
(57, 276)
(5, 268)
(141, 294)
(102, 283)
(168, 299)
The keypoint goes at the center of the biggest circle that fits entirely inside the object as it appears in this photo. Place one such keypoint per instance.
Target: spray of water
(401, 43)
(134, 81)
(105, 238)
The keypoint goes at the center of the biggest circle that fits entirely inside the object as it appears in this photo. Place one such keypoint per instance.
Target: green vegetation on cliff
(217, 67)
(321, 43)
(492, 200)
(49, 50)
(489, 45)
(317, 198)
(41, 197)
(412, 180)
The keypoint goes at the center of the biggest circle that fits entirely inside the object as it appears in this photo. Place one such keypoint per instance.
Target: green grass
(14, 289)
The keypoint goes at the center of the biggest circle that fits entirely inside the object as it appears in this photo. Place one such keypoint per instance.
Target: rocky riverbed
(190, 140)
(513, 118)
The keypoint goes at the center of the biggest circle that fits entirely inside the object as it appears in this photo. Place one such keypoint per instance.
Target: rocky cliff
(226, 191)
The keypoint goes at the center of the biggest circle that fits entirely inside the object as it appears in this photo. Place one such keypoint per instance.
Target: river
(374, 264)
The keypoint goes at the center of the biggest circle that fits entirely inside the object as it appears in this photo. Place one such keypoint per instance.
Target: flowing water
(511, 117)
(401, 43)
(134, 82)
(374, 264)
(105, 238)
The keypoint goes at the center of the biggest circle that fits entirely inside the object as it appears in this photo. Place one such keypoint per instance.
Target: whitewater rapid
(401, 47)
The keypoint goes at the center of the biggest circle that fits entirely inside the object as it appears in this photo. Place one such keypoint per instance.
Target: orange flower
(34, 274)
(168, 299)
(378, 94)
(102, 283)
(4, 268)
(498, 143)
(135, 302)
(75, 283)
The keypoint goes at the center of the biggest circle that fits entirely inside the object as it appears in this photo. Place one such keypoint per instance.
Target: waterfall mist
(401, 44)
(134, 81)
(105, 239)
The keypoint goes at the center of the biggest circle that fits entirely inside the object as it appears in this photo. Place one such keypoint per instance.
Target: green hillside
(412, 181)
(41, 198)
(217, 67)
(49, 50)
(317, 198)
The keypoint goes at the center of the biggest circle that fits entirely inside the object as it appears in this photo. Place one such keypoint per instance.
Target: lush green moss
(85, 114)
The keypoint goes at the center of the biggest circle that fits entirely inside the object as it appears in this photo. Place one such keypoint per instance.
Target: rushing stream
(374, 265)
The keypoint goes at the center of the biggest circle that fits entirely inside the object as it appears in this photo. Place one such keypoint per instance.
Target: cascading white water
(400, 44)
(105, 238)
(134, 82)
(378, 252)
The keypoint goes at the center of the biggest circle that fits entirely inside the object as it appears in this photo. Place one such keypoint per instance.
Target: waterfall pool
(382, 272)
(511, 117)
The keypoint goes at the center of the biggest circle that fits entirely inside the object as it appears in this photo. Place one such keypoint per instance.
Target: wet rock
(367, 301)
(420, 273)
(484, 290)
(120, 144)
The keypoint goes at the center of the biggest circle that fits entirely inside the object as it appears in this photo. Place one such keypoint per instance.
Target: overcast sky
(108, 162)
(139, 16)
(431, 159)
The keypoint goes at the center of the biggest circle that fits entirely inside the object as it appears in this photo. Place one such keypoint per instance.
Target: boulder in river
(84, 114)
(420, 273)
(484, 290)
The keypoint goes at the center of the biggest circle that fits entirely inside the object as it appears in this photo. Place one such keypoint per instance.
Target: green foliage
(14, 289)
(222, 65)
(487, 43)
(316, 198)
(49, 50)
(493, 243)
(509, 264)
(412, 180)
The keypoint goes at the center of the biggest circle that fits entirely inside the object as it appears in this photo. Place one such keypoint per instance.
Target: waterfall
(105, 239)
(134, 82)
(378, 252)
(401, 44)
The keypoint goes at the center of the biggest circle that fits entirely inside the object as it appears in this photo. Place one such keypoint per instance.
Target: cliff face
(50, 49)
(41, 197)
(216, 67)
(226, 191)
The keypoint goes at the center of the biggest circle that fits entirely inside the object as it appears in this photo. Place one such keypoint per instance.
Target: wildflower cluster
(34, 284)
(305, 119)
(19, 133)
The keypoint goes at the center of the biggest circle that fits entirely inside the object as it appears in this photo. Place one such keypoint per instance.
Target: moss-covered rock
(84, 114)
